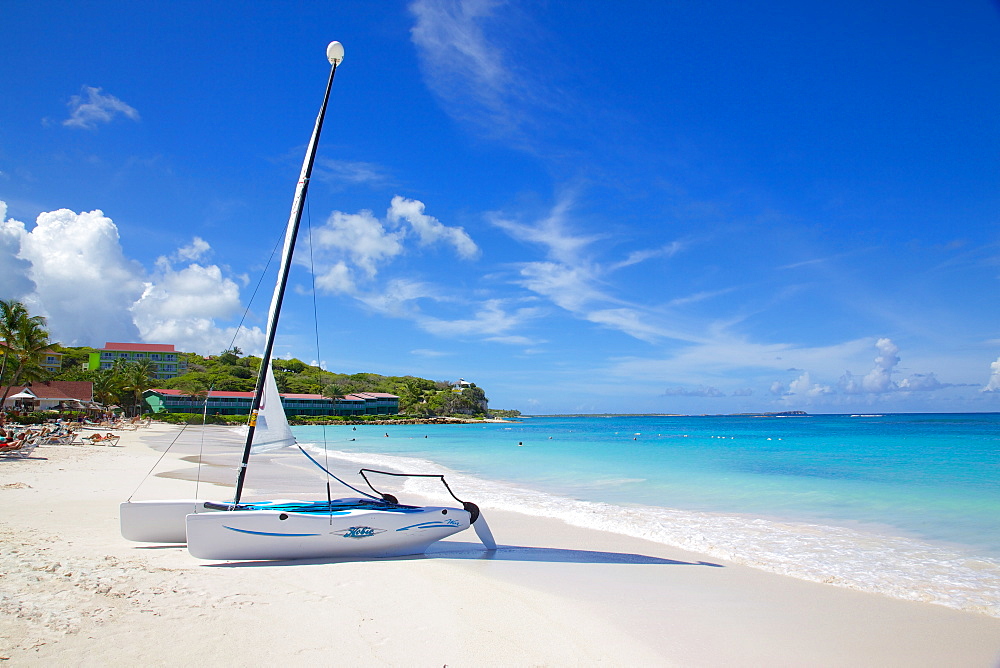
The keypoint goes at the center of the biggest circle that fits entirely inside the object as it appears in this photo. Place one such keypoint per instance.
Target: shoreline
(75, 592)
(855, 555)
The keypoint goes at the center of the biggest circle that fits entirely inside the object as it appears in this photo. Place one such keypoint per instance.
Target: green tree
(411, 396)
(24, 342)
(475, 399)
(107, 388)
(229, 357)
(136, 377)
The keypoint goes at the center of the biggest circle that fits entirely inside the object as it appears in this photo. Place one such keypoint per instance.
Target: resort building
(51, 395)
(169, 363)
(51, 361)
(238, 403)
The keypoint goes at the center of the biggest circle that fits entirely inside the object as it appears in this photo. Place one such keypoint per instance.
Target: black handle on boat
(411, 475)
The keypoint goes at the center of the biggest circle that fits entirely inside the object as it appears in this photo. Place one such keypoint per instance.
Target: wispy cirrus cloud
(704, 391)
(338, 173)
(636, 257)
(460, 63)
(571, 278)
(492, 321)
(93, 107)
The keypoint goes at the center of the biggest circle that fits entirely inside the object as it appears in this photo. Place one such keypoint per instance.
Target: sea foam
(853, 558)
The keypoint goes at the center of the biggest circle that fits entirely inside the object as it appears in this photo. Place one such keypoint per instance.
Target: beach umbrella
(23, 394)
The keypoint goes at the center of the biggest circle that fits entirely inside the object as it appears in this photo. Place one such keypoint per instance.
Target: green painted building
(169, 363)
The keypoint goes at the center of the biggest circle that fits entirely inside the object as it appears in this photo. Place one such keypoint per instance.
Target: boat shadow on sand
(460, 550)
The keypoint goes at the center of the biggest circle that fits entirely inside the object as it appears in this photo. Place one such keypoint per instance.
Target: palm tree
(136, 378)
(23, 341)
(106, 387)
(334, 391)
(410, 396)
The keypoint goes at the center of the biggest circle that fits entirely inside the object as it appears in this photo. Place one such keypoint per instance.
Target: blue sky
(703, 207)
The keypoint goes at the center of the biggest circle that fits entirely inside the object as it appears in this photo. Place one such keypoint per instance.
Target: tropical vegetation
(24, 341)
(231, 371)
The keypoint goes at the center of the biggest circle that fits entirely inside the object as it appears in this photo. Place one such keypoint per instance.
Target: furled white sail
(272, 426)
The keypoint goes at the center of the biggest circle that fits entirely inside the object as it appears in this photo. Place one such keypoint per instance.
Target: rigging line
(313, 460)
(319, 357)
(253, 295)
(201, 442)
(156, 463)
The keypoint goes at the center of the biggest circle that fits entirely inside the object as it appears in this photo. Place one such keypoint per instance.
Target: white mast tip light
(335, 53)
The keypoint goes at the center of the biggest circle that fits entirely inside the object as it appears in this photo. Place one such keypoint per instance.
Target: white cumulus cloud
(993, 384)
(801, 387)
(880, 379)
(75, 273)
(352, 243)
(429, 229)
(359, 238)
(82, 280)
(14, 281)
(181, 307)
(196, 250)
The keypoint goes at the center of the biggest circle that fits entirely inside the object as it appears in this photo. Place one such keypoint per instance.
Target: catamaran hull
(158, 521)
(358, 534)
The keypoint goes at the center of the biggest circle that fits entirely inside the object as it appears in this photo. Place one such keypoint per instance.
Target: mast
(335, 54)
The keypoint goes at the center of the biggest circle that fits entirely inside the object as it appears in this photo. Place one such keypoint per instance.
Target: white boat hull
(356, 533)
(158, 521)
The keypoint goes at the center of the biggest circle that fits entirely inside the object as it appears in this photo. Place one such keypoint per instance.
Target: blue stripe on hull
(429, 525)
(268, 533)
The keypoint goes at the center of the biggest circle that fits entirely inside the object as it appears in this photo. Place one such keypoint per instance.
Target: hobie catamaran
(368, 525)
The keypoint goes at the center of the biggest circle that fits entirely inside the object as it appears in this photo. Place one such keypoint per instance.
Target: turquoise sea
(908, 505)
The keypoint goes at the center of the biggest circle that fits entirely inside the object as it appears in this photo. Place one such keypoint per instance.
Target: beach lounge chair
(21, 445)
(106, 439)
(60, 438)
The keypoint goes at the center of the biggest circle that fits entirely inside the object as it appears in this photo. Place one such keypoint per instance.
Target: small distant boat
(872, 415)
(363, 526)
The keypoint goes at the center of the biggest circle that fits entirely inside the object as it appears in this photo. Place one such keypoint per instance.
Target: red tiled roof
(215, 394)
(58, 389)
(140, 347)
(357, 396)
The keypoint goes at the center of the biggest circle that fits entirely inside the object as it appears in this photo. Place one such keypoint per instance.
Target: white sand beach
(73, 592)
